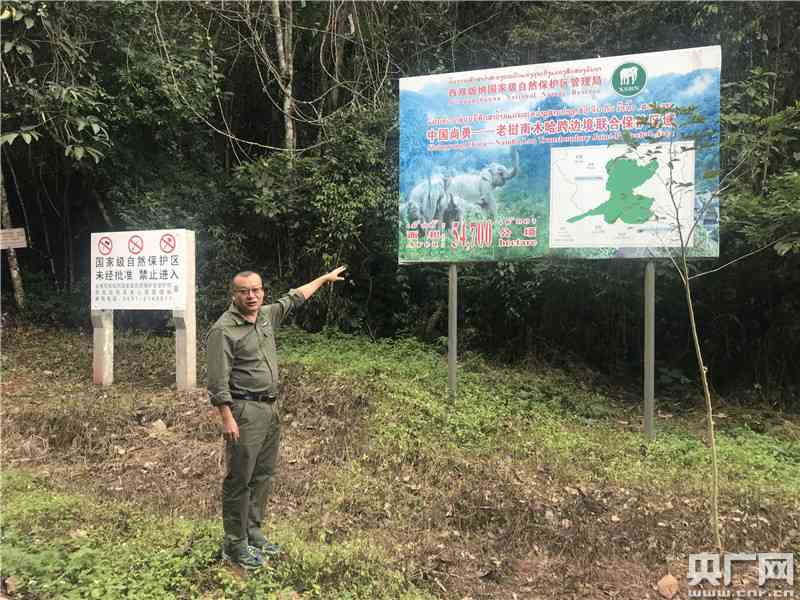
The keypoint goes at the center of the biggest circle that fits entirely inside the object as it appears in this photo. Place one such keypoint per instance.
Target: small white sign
(13, 238)
(140, 270)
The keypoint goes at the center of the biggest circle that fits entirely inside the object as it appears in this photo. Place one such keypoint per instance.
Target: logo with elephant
(629, 79)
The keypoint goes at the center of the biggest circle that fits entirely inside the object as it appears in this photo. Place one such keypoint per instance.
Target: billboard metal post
(452, 332)
(649, 347)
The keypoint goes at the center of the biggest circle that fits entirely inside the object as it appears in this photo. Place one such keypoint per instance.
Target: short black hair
(242, 274)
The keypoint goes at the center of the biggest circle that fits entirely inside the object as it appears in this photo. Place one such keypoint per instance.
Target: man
(243, 385)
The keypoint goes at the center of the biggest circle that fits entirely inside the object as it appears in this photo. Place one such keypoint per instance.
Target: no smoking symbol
(105, 245)
(167, 243)
(135, 244)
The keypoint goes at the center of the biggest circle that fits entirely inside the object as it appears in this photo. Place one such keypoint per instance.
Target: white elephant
(628, 75)
(426, 200)
(478, 188)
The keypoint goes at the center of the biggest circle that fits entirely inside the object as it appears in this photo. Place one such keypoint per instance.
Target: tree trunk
(69, 278)
(712, 437)
(25, 221)
(13, 264)
(337, 35)
(283, 42)
(103, 212)
(45, 230)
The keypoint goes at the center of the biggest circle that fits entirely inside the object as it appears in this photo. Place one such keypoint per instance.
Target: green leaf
(6, 14)
(78, 152)
(8, 138)
(28, 22)
(8, 46)
(95, 154)
(27, 137)
(782, 248)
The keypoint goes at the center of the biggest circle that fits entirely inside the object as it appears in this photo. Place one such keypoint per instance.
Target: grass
(390, 491)
(550, 416)
(70, 546)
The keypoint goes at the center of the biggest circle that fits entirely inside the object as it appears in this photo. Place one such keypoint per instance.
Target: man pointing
(243, 385)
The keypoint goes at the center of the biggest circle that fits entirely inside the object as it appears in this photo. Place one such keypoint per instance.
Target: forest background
(270, 129)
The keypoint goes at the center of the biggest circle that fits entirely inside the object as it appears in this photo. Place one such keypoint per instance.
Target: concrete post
(186, 325)
(103, 347)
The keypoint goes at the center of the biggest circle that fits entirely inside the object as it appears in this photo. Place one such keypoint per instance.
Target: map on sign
(617, 196)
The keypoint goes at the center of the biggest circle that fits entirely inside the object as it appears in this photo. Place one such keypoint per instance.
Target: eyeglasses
(253, 290)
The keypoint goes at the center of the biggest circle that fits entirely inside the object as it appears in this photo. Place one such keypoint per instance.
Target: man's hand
(230, 428)
(311, 287)
(335, 275)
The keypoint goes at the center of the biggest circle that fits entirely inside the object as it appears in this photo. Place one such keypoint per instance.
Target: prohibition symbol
(135, 244)
(105, 245)
(167, 243)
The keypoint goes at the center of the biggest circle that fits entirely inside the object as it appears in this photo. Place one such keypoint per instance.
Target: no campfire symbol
(167, 243)
(135, 244)
(105, 245)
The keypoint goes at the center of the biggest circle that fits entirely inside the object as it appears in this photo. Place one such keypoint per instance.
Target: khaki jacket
(241, 355)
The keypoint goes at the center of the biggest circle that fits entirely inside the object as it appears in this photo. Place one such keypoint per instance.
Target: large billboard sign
(612, 157)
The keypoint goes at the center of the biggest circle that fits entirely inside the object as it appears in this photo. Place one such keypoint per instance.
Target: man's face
(248, 294)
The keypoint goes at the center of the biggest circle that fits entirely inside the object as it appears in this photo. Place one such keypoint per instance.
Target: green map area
(624, 176)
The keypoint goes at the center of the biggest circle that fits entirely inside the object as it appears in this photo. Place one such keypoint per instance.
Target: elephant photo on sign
(478, 188)
(458, 194)
(426, 200)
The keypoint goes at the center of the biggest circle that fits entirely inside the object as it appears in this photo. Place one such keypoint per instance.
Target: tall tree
(13, 264)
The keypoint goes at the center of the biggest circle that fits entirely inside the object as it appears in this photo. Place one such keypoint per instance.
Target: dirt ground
(495, 528)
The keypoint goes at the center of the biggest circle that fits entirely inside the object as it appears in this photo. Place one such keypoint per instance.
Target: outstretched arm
(311, 287)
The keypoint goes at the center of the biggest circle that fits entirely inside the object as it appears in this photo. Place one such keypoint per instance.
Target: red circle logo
(135, 244)
(167, 243)
(105, 245)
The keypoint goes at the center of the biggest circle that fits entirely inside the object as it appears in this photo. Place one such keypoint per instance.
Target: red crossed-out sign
(105, 245)
(167, 243)
(135, 244)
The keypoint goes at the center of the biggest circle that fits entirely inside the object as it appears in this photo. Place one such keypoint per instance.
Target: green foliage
(161, 69)
(757, 135)
(325, 199)
(186, 115)
(315, 212)
(515, 438)
(353, 570)
(64, 546)
(549, 415)
(59, 546)
(169, 190)
(48, 305)
(52, 89)
(771, 217)
(763, 149)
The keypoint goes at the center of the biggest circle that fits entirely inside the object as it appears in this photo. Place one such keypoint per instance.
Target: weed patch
(542, 415)
(387, 488)
(65, 546)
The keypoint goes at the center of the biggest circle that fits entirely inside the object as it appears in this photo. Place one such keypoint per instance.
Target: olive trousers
(251, 466)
